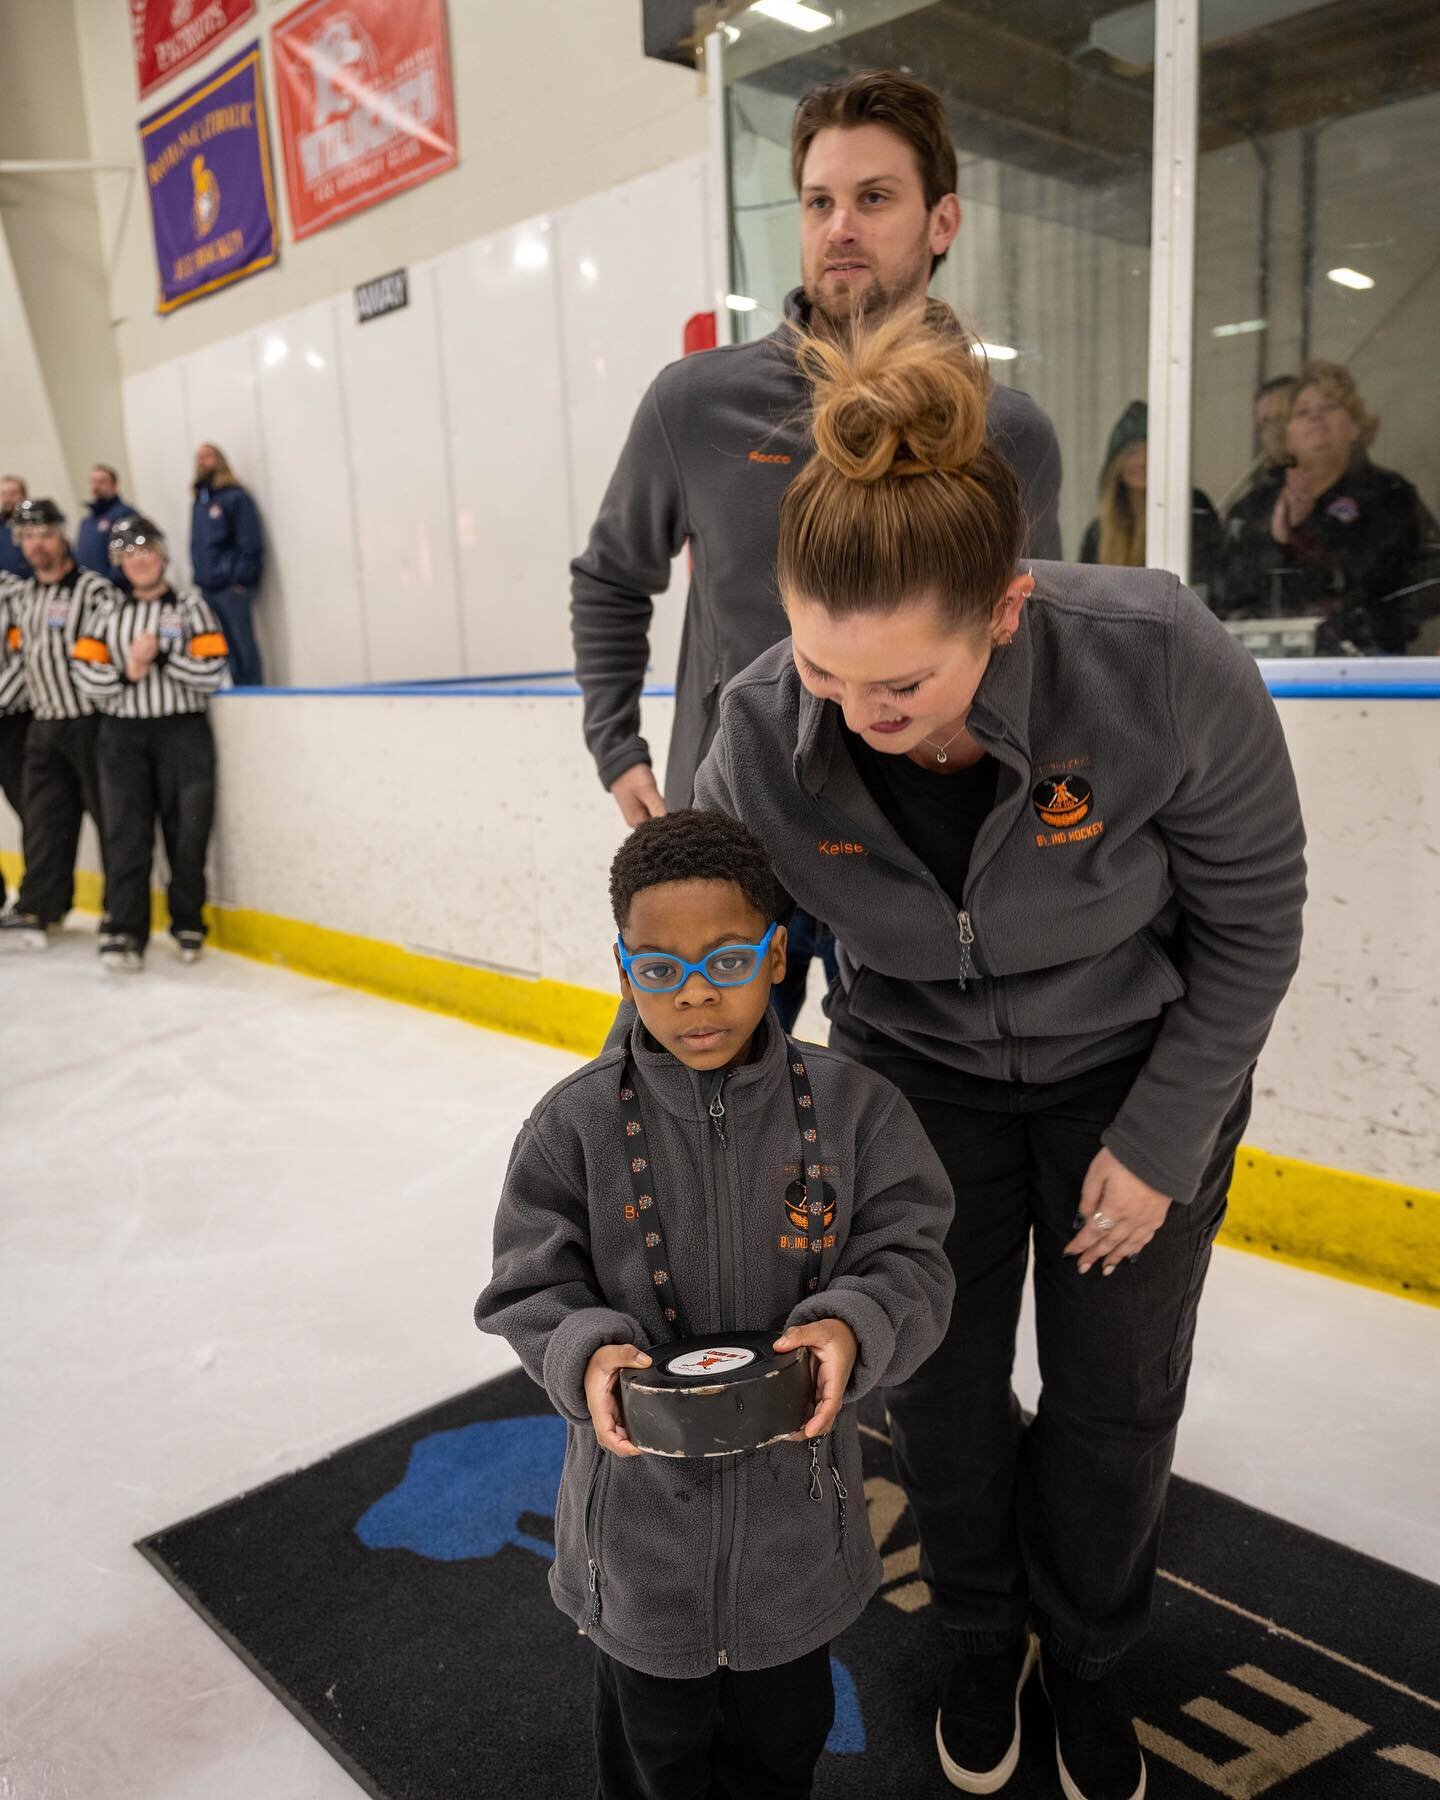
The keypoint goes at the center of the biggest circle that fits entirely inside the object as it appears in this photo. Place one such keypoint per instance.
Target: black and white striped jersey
(10, 586)
(188, 667)
(46, 620)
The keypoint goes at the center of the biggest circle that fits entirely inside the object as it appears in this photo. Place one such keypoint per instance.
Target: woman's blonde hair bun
(899, 399)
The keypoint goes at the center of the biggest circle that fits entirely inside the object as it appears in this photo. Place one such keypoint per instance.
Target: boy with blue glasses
(706, 1175)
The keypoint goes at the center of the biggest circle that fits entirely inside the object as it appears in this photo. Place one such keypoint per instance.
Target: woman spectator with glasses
(1332, 534)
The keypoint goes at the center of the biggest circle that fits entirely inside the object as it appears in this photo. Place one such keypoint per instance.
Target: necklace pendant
(940, 756)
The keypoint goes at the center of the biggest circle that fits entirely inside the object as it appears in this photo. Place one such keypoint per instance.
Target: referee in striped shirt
(49, 614)
(15, 719)
(149, 661)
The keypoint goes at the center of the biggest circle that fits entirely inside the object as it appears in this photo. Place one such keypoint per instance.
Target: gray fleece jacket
(675, 1567)
(716, 441)
(1138, 884)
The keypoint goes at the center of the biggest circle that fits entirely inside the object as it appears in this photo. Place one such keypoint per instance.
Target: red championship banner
(171, 34)
(363, 92)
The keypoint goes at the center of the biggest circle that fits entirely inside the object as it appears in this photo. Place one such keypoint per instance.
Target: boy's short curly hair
(691, 846)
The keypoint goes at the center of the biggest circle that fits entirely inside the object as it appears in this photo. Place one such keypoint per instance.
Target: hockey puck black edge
(716, 1395)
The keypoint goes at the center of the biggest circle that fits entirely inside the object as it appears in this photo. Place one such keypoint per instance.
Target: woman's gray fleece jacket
(1137, 887)
(675, 1567)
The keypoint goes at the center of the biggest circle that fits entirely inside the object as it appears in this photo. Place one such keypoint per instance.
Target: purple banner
(212, 196)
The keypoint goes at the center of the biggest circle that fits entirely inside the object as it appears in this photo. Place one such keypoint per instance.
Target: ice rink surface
(245, 1218)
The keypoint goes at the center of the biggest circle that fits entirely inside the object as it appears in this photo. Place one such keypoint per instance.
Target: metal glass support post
(1172, 284)
(719, 184)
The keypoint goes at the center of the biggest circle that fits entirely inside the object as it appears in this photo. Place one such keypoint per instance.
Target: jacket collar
(677, 1088)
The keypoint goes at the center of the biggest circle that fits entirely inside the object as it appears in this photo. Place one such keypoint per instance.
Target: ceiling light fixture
(793, 13)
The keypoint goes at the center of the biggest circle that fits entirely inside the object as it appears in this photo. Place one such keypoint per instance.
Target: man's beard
(873, 302)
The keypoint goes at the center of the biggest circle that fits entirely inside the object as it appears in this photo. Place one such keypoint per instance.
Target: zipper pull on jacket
(967, 938)
(594, 1592)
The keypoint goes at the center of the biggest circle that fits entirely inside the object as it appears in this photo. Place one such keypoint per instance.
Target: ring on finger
(1101, 1223)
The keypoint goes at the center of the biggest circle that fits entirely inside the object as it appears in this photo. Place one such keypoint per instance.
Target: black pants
(1058, 1521)
(60, 787)
(236, 613)
(157, 769)
(807, 939)
(13, 727)
(725, 1736)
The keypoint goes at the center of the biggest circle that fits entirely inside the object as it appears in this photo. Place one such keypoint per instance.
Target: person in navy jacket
(12, 558)
(105, 511)
(227, 554)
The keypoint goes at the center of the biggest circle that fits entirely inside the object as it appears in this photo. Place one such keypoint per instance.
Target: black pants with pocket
(157, 769)
(60, 786)
(13, 727)
(1057, 1521)
(730, 1735)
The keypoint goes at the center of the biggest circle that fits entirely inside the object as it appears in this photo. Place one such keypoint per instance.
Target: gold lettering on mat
(1269, 1759)
(1418, 1762)
(886, 1501)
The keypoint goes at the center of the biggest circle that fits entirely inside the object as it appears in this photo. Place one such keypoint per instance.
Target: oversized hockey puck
(715, 1396)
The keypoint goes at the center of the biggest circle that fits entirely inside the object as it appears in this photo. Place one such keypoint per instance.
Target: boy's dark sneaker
(189, 944)
(977, 1730)
(25, 930)
(120, 955)
(1095, 1743)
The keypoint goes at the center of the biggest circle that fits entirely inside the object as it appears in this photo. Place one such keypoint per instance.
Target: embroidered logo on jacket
(838, 847)
(1063, 801)
(766, 456)
(802, 1227)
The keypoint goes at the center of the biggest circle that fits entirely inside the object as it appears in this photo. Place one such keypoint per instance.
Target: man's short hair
(19, 481)
(1274, 384)
(691, 846)
(901, 104)
(105, 469)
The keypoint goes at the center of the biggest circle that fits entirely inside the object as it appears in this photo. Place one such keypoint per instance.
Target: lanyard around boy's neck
(646, 1213)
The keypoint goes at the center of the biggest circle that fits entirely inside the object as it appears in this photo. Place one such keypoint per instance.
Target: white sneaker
(189, 944)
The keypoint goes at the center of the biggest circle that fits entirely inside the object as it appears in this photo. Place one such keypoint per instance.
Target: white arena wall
(424, 479)
(469, 826)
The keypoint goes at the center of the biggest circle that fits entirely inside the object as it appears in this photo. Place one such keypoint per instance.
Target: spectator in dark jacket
(1332, 535)
(227, 554)
(1117, 534)
(105, 511)
(12, 559)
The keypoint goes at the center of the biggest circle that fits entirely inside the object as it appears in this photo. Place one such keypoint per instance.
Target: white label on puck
(718, 1359)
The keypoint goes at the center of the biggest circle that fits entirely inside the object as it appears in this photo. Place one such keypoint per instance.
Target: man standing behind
(48, 613)
(12, 558)
(720, 436)
(106, 509)
(227, 554)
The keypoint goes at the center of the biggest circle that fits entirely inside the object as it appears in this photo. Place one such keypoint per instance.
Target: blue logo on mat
(463, 1495)
(464, 1491)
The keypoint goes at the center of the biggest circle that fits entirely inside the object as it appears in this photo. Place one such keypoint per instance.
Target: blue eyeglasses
(661, 971)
